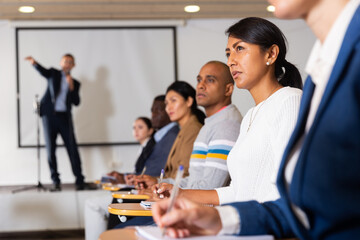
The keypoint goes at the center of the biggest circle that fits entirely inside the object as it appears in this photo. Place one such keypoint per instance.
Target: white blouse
(255, 158)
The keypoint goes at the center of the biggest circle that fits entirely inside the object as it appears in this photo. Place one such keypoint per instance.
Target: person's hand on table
(162, 190)
(130, 179)
(186, 218)
(144, 181)
(119, 177)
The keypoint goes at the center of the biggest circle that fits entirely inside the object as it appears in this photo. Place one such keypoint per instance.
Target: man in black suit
(55, 109)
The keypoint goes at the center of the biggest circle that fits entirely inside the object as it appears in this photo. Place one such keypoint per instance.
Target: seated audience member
(182, 108)
(96, 213)
(208, 168)
(143, 133)
(318, 179)
(216, 138)
(164, 138)
(256, 53)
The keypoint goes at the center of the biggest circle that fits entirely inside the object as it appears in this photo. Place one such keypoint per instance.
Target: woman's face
(247, 63)
(141, 131)
(290, 9)
(176, 106)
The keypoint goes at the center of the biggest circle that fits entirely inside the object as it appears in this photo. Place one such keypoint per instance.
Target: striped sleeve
(208, 164)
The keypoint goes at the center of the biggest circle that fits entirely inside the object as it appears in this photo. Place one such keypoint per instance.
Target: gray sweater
(208, 169)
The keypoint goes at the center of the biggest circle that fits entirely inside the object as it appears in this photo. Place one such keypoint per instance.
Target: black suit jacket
(147, 150)
(53, 76)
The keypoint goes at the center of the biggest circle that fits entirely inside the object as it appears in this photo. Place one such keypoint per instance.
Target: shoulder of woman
(289, 92)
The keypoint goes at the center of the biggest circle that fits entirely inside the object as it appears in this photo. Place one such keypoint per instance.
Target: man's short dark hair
(70, 56)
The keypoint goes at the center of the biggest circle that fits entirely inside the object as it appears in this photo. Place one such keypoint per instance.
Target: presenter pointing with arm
(55, 109)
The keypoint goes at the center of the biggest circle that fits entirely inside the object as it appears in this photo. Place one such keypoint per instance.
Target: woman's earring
(268, 63)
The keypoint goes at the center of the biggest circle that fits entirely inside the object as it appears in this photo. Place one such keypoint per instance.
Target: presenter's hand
(145, 181)
(70, 81)
(186, 218)
(162, 190)
(30, 59)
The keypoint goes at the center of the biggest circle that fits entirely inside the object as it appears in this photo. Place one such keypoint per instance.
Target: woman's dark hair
(146, 120)
(186, 91)
(263, 33)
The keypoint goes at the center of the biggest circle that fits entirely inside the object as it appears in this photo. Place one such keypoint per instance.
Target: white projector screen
(121, 70)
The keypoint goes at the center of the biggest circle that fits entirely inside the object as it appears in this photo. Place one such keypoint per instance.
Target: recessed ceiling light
(192, 8)
(26, 9)
(270, 8)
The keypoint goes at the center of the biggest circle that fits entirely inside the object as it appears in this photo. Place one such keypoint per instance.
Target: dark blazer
(326, 180)
(145, 153)
(53, 76)
(158, 157)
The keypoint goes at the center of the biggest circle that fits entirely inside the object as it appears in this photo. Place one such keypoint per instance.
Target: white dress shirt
(319, 67)
(60, 103)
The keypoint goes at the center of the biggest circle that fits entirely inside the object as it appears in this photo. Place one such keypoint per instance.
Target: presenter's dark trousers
(61, 123)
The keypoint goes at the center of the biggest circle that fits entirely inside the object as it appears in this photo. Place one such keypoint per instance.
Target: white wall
(198, 42)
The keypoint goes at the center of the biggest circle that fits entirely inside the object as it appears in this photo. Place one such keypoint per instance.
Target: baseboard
(48, 234)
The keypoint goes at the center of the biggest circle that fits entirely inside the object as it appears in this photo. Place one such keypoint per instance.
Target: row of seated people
(254, 169)
(254, 159)
(205, 151)
(256, 53)
(318, 179)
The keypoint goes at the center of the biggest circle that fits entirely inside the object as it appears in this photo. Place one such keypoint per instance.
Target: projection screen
(121, 70)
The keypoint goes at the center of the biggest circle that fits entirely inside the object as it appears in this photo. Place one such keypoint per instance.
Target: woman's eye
(227, 55)
(239, 48)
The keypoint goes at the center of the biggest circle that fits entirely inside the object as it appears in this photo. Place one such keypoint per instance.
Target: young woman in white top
(256, 52)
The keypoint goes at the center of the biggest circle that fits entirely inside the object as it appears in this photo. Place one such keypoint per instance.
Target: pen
(142, 173)
(175, 191)
(161, 177)
(160, 181)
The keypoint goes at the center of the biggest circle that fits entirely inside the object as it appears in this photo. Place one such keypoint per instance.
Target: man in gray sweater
(208, 169)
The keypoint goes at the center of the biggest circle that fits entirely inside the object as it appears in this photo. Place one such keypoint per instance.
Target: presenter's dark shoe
(85, 186)
(55, 188)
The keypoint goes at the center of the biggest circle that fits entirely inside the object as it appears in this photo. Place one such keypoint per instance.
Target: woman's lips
(235, 74)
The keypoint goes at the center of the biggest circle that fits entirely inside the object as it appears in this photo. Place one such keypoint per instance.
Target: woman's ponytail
(291, 77)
